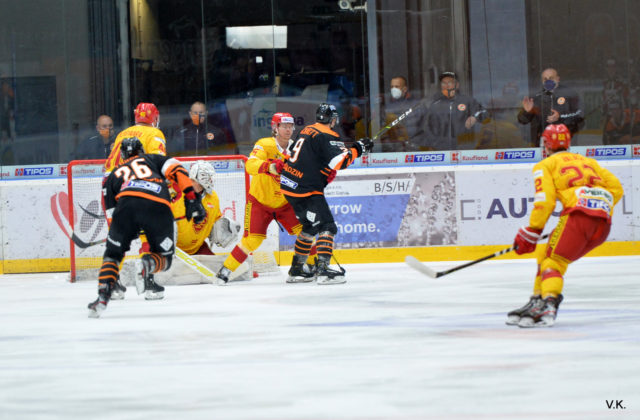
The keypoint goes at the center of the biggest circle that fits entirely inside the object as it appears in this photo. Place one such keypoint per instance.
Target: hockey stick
(397, 120)
(82, 244)
(414, 263)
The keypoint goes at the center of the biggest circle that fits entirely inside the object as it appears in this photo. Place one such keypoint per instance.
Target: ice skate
(118, 291)
(301, 273)
(542, 313)
(514, 316)
(326, 275)
(146, 283)
(223, 276)
(100, 304)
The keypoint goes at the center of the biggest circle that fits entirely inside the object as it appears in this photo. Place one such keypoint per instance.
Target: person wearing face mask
(98, 146)
(408, 134)
(554, 104)
(195, 137)
(452, 115)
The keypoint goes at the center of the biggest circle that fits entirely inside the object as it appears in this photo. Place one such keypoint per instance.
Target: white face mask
(396, 93)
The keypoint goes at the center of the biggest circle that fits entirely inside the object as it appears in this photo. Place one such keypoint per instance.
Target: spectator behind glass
(555, 104)
(194, 137)
(350, 117)
(452, 116)
(98, 146)
(622, 125)
(408, 134)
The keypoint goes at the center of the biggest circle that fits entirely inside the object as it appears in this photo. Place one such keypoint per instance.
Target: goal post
(89, 225)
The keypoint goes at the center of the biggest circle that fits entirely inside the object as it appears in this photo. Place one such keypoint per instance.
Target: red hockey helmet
(557, 136)
(281, 118)
(146, 113)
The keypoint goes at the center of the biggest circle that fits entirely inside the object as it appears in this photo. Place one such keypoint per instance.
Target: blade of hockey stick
(82, 244)
(413, 262)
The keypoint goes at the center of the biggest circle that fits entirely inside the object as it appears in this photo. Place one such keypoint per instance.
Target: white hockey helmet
(204, 174)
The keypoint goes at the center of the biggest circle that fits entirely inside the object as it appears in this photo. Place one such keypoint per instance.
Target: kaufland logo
(47, 170)
(606, 151)
(455, 156)
(421, 158)
(63, 170)
(515, 155)
(365, 159)
(636, 151)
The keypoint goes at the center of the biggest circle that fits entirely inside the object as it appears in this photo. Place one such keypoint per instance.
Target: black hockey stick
(397, 120)
(82, 244)
(414, 263)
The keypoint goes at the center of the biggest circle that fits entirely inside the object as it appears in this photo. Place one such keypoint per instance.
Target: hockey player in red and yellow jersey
(265, 202)
(588, 194)
(146, 130)
(315, 156)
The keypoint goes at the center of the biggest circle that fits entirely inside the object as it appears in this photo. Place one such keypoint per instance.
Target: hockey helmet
(147, 113)
(281, 118)
(556, 136)
(130, 146)
(203, 173)
(325, 113)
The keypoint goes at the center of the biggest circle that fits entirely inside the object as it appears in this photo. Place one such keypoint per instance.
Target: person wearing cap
(554, 104)
(451, 116)
(408, 134)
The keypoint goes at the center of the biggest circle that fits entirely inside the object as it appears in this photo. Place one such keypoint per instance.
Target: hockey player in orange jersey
(145, 129)
(588, 194)
(265, 202)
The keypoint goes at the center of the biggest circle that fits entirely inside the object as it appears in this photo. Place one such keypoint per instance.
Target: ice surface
(391, 343)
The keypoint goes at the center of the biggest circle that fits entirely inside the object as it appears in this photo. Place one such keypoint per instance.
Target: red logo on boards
(636, 151)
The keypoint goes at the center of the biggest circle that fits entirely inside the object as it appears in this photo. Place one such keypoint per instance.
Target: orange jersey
(151, 138)
(264, 187)
(191, 235)
(578, 182)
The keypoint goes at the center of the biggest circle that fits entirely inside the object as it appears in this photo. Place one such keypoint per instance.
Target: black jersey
(314, 155)
(143, 176)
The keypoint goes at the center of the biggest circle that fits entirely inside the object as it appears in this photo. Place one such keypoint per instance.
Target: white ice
(389, 344)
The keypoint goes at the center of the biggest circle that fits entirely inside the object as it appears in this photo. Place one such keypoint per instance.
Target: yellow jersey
(578, 182)
(152, 140)
(264, 187)
(191, 235)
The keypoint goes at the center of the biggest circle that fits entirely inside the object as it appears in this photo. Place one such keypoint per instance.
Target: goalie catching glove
(364, 145)
(224, 232)
(193, 206)
(526, 240)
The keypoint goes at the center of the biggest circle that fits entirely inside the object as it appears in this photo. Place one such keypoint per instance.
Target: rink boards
(437, 213)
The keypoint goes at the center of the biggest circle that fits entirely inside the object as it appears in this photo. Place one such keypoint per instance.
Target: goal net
(84, 183)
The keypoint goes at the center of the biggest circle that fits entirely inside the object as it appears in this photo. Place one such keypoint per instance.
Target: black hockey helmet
(130, 146)
(325, 113)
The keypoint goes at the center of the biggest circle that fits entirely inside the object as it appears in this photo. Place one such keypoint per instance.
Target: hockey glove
(193, 206)
(331, 176)
(526, 239)
(364, 145)
(224, 232)
(275, 166)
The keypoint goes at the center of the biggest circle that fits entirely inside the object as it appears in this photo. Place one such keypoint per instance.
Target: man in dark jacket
(98, 146)
(451, 115)
(408, 135)
(555, 104)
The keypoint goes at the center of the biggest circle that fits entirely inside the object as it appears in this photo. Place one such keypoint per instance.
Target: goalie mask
(130, 146)
(203, 173)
